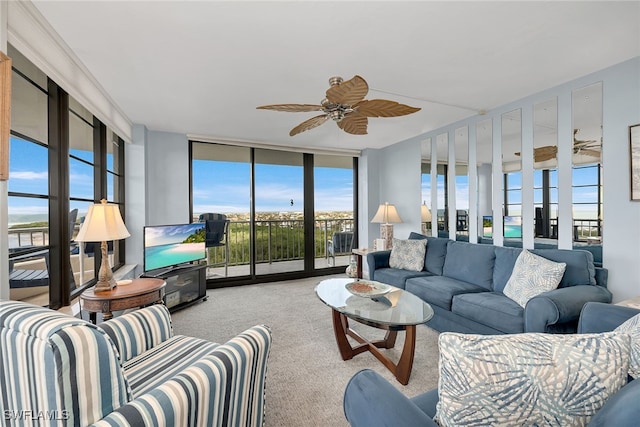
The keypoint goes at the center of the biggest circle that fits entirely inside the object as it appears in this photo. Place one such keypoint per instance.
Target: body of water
(173, 254)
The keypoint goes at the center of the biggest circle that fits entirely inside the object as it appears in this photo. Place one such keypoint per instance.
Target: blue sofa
(463, 283)
(370, 400)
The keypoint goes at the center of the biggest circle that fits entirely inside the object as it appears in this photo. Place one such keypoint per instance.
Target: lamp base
(103, 286)
(386, 233)
(105, 282)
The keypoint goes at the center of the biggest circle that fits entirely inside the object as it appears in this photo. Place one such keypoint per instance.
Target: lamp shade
(425, 213)
(386, 214)
(103, 223)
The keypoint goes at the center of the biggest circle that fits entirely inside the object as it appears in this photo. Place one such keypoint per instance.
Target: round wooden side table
(138, 293)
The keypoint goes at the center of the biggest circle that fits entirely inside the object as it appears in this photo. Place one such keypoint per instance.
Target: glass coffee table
(381, 306)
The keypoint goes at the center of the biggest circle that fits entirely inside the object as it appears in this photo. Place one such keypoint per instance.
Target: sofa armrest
(378, 259)
(223, 388)
(138, 331)
(598, 317)
(370, 400)
(560, 306)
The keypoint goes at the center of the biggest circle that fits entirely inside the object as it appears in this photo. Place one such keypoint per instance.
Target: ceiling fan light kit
(345, 104)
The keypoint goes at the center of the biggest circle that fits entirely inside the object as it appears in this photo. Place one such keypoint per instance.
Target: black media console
(185, 285)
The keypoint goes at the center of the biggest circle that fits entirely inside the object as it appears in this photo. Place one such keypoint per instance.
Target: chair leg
(226, 261)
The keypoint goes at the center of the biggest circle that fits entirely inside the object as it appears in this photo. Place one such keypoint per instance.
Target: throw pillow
(632, 327)
(408, 254)
(531, 276)
(528, 379)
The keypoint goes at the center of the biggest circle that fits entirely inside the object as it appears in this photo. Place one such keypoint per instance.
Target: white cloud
(30, 175)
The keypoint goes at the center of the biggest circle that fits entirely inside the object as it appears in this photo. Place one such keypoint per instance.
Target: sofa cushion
(632, 327)
(580, 268)
(408, 254)
(440, 290)
(436, 252)
(396, 277)
(161, 363)
(531, 276)
(469, 262)
(503, 266)
(528, 379)
(491, 309)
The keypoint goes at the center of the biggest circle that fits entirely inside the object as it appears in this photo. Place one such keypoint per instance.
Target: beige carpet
(306, 376)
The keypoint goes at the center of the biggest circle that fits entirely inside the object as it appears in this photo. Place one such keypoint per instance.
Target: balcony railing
(277, 240)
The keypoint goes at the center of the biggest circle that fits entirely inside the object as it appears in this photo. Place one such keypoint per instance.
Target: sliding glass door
(287, 213)
(279, 211)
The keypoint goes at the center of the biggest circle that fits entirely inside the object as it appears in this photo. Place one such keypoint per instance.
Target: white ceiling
(201, 67)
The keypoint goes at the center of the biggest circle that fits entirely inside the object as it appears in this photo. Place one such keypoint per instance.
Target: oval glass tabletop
(391, 307)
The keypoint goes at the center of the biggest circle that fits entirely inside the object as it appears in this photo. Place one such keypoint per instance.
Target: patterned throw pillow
(632, 327)
(528, 379)
(408, 254)
(531, 276)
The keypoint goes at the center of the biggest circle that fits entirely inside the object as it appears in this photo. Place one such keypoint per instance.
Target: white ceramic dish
(367, 288)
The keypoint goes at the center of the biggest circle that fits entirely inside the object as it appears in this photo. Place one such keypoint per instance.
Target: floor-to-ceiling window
(60, 163)
(28, 182)
(334, 221)
(283, 208)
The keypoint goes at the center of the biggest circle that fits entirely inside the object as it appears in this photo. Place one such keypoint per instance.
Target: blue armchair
(370, 400)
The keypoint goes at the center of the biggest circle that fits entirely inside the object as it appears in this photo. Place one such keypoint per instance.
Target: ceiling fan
(345, 104)
(584, 147)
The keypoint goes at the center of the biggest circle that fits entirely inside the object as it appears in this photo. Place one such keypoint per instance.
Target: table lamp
(386, 215)
(103, 223)
(425, 215)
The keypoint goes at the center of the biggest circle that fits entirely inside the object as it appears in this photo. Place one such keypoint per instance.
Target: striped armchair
(130, 371)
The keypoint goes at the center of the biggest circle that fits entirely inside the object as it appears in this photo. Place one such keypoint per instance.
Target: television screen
(487, 226)
(513, 226)
(171, 245)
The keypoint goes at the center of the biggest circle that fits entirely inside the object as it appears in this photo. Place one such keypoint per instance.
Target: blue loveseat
(464, 285)
(370, 400)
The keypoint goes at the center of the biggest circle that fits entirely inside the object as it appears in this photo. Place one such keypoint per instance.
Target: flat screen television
(169, 246)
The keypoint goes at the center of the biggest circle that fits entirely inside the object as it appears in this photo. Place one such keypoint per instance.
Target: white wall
(621, 233)
(621, 108)
(368, 196)
(167, 178)
(400, 163)
(136, 215)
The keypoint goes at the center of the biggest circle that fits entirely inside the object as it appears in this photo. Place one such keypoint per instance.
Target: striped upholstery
(44, 357)
(139, 331)
(161, 363)
(225, 388)
(51, 363)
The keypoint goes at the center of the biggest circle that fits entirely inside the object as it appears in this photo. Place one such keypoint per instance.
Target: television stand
(186, 285)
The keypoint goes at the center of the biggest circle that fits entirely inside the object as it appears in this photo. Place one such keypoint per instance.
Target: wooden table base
(402, 369)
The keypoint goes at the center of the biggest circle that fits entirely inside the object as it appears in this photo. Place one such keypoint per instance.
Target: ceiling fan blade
(309, 124)
(354, 124)
(349, 92)
(383, 108)
(542, 154)
(291, 108)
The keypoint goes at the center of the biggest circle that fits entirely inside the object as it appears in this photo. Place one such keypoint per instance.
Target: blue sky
(225, 187)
